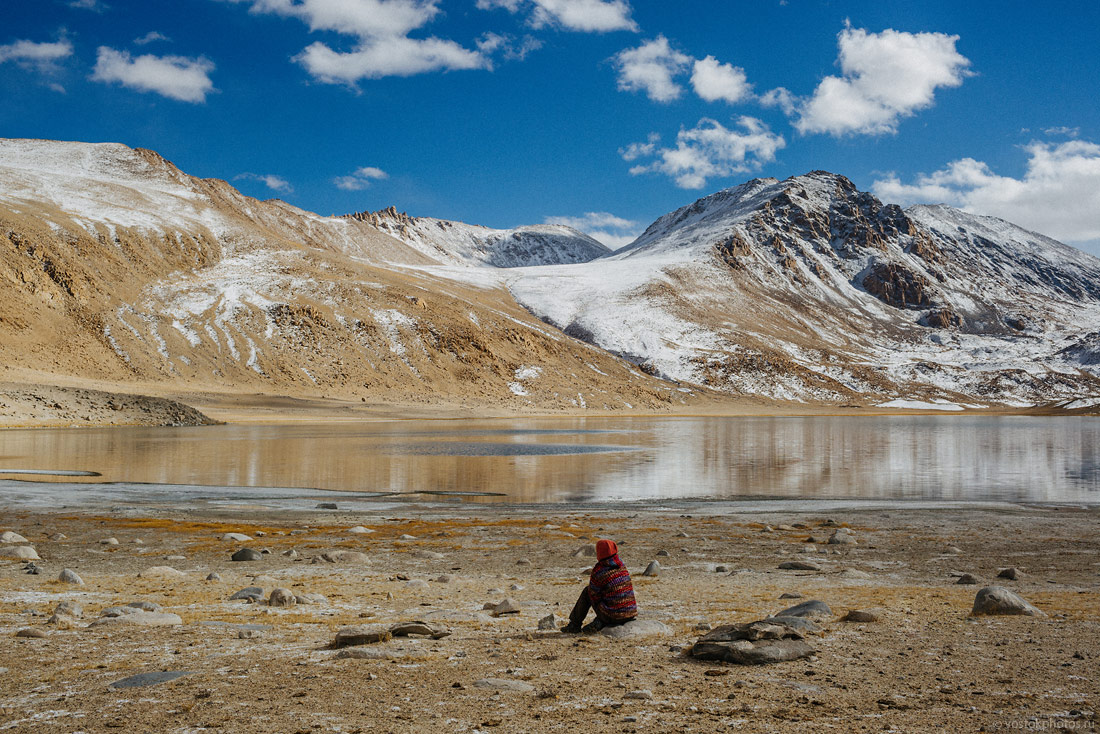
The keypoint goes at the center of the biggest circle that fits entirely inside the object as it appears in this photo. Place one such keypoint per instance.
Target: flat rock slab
(235, 626)
(345, 557)
(371, 653)
(637, 628)
(139, 619)
(997, 600)
(144, 680)
(251, 592)
(812, 608)
(799, 566)
(419, 629)
(746, 652)
(355, 636)
(10, 536)
(803, 625)
(863, 615)
(503, 684)
(764, 629)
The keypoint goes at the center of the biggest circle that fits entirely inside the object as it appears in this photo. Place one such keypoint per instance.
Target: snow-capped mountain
(808, 289)
(117, 266)
(465, 244)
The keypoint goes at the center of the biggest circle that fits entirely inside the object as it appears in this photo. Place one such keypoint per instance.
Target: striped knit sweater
(611, 591)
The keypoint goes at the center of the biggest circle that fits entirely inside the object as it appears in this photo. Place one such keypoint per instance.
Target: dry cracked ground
(926, 665)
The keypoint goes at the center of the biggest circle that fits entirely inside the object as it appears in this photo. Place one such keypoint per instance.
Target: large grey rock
(551, 622)
(144, 606)
(236, 537)
(69, 576)
(967, 579)
(345, 557)
(282, 598)
(636, 628)
(164, 573)
(805, 625)
(32, 633)
(144, 680)
(653, 569)
(354, 636)
(504, 684)
(10, 537)
(246, 555)
(253, 593)
(360, 530)
(754, 643)
(1012, 574)
(863, 615)
(20, 553)
(812, 609)
(997, 600)
(799, 566)
(508, 606)
(139, 619)
(118, 611)
(427, 555)
(419, 628)
(842, 537)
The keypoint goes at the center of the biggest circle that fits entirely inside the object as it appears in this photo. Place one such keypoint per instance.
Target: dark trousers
(582, 607)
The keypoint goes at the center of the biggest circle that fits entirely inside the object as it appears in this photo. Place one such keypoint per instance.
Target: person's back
(610, 593)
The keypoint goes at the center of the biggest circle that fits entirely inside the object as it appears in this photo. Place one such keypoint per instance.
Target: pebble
(246, 554)
(523, 562)
(9, 537)
(997, 600)
(68, 576)
(721, 569)
(31, 632)
(551, 622)
(662, 554)
(281, 598)
(653, 569)
(109, 541)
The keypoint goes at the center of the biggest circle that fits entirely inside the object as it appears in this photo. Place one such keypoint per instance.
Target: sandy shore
(925, 666)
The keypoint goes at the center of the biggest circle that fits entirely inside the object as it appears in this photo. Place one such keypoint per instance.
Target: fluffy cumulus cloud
(275, 183)
(360, 178)
(599, 16)
(1058, 195)
(381, 29)
(885, 77)
(708, 150)
(613, 231)
(38, 56)
(175, 77)
(714, 81)
(652, 68)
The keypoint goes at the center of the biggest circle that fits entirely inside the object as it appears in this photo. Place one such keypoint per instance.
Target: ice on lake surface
(929, 458)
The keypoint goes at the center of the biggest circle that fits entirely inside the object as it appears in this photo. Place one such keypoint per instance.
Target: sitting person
(609, 593)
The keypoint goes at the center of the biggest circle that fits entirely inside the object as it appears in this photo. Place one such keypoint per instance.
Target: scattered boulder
(805, 625)
(1012, 573)
(585, 551)
(854, 573)
(636, 628)
(420, 628)
(311, 599)
(799, 566)
(69, 609)
(251, 593)
(139, 619)
(754, 643)
(508, 606)
(236, 537)
(10, 537)
(327, 506)
(359, 529)
(292, 554)
(863, 615)
(32, 633)
(161, 572)
(355, 636)
(144, 680)
(344, 556)
(246, 555)
(813, 608)
(967, 579)
(503, 684)
(109, 541)
(662, 554)
(551, 622)
(281, 598)
(843, 536)
(790, 595)
(653, 569)
(214, 576)
(20, 553)
(68, 576)
(997, 600)
(428, 555)
(144, 606)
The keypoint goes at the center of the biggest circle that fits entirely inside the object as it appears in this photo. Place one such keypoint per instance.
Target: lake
(577, 459)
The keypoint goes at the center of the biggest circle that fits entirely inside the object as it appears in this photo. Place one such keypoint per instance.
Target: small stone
(354, 636)
(246, 554)
(68, 576)
(653, 569)
(682, 534)
(420, 629)
(58, 537)
(407, 537)
(515, 587)
(550, 622)
(109, 541)
(842, 537)
(523, 562)
(161, 572)
(640, 695)
(327, 506)
(767, 529)
(854, 573)
(1012, 574)
(799, 566)
(952, 550)
(252, 593)
(291, 554)
(662, 554)
(444, 579)
(249, 634)
(311, 599)
(360, 530)
(721, 569)
(428, 555)
(790, 595)
(863, 615)
(20, 553)
(10, 537)
(997, 600)
(967, 579)
(139, 619)
(175, 558)
(69, 609)
(236, 537)
(508, 606)
(144, 606)
(808, 548)
(32, 633)
(214, 576)
(502, 684)
(281, 598)
(703, 627)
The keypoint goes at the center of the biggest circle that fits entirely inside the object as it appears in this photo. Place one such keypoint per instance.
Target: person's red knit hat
(605, 549)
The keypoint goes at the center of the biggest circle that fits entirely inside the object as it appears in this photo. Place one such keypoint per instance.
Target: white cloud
(94, 5)
(597, 16)
(715, 81)
(604, 227)
(1069, 132)
(360, 178)
(42, 57)
(507, 46)
(635, 151)
(381, 28)
(651, 68)
(175, 77)
(275, 183)
(886, 76)
(710, 150)
(151, 37)
(780, 97)
(1059, 194)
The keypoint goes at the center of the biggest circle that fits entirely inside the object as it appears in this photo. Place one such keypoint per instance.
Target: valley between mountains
(121, 274)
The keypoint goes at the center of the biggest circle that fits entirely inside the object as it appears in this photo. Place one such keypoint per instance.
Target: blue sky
(600, 113)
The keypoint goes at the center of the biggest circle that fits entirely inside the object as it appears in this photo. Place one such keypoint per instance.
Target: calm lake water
(934, 458)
